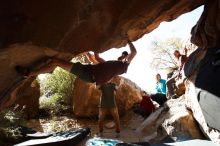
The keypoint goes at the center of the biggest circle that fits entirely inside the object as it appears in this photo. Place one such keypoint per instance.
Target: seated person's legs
(159, 98)
(140, 111)
(170, 87)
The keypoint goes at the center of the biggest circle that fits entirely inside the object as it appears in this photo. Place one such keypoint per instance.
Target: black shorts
(83, 72)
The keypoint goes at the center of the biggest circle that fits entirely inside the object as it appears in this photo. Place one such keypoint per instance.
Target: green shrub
(56, 90)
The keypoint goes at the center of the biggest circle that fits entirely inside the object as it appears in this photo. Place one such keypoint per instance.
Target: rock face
(191, 96)
(172, 119)
(206, 33)
(206, 36)
(193, 104)
(83, 25)
(87, 96)
(24, 55)
(26, 98)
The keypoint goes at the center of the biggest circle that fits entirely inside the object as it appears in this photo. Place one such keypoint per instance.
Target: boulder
(25, 55)
(86, 97)
(173, 120)
(82, 25)
(205, 34)
(193, 104)
(26, 98)
(192, 68)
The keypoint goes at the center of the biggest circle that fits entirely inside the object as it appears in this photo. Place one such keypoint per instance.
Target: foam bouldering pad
(67, 138)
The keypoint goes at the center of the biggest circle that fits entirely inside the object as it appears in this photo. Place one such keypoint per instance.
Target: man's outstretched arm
(133, 52)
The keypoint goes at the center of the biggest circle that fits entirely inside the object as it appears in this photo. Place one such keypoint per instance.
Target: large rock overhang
(34, 30)
(76, 26)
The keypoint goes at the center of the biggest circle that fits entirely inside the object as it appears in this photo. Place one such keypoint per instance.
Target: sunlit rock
(192, 101)
(81, 25)
(172, 119)
(26, 55)
(86, 97)
(205, 34)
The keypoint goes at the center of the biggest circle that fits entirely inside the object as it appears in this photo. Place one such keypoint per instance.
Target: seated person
(146, 107)
(160, 96)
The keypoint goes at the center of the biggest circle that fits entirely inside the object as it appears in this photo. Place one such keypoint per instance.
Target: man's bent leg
(80, 70)
(170, 87)
(83, 71)
(157, 97)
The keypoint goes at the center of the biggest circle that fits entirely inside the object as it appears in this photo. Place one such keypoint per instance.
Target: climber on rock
(100, 72)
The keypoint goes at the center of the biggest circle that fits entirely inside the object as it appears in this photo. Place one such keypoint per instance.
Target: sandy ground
(129, 123)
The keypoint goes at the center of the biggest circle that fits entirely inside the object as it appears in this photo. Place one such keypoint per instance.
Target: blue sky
(139, 70)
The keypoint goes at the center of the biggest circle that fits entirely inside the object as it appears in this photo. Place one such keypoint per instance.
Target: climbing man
(99, 73)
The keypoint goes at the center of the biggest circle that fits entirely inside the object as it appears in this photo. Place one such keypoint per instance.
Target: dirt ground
(129, 123)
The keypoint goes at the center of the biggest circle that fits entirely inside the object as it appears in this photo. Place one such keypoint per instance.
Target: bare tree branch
(163, 52)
